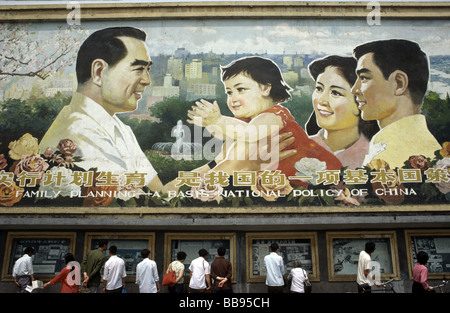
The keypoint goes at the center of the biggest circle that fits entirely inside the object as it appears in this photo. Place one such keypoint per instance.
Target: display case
(191, 243)
(343, 249)
(436, 243)
(129, 247)
(292, 246)
(49, 251)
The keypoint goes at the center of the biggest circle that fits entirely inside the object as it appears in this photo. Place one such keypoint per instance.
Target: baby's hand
(204, 114)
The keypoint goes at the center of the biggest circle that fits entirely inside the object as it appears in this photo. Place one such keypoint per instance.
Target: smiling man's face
(124, 83)
(374, 93)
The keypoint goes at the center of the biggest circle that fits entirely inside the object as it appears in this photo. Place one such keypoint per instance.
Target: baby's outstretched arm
(204, 113)
(208, 115)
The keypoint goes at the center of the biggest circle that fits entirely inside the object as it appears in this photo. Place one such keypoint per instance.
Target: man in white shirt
(275, 270)
(114, 273)
(23, 270)
(112, 71)
(147, 274)
(364, 281)
(200, 279)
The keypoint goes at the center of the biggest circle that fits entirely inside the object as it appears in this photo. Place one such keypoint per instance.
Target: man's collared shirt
(147, 276)
(364, 263)
(199, 268)
(114, 272)
(23, 266)
(275, 269)
(103, 141)
(406, 137)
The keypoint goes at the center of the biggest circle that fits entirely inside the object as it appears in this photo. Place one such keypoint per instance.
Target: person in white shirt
(297, 276)
(364, 281)
(275, 270)
(147, 274)
(23, 270)
(200, 279)
(114, 273)
(112, 72)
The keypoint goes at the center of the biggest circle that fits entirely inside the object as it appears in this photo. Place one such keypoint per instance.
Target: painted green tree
(437, 112)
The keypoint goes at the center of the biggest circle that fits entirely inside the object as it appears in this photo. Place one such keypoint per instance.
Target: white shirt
(364, 263)
(147, 276)
(23, 266)
(113, 272)
(102, 140)
(275, 269)
(298, 276)
(199, 268)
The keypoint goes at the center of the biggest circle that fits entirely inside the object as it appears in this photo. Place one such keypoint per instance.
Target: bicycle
(387, 287)
(440, 287)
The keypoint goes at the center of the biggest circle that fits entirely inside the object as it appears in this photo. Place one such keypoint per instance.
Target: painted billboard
(225, 113)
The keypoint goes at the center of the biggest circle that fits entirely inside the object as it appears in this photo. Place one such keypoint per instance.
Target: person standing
(68, 285)
(114, 273)
(364, 281)
(275, 270)
(221, 272)
(91, 266)
(297, 276)
(23, 270)
(147, 274)
(178, 267)
(420, 274)
(200, 280)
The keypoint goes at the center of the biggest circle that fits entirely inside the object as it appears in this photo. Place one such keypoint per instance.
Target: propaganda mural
(225, 113)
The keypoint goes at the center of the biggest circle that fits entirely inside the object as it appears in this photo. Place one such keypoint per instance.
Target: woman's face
(333, 101)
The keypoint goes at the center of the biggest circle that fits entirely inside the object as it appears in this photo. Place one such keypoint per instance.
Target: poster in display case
(344, 249)
(436, 243)
(49, 251)
(129, 247)
(191, 243)
(292, 246)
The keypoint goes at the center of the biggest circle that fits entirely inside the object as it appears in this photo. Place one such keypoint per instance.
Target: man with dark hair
(91, 266)
(23, 271)
(147, 274)
(112, 71)
(363, 279)
(275, 270)
(104, 44)
(114, 273)
(392, 81)
(221, 272)
(200, 279)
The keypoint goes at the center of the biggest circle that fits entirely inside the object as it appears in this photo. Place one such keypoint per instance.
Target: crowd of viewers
(204, 277)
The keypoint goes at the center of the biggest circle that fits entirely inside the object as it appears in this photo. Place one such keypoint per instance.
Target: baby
(255, 89)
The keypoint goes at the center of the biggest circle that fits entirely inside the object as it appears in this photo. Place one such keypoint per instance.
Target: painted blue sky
(281, 36)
